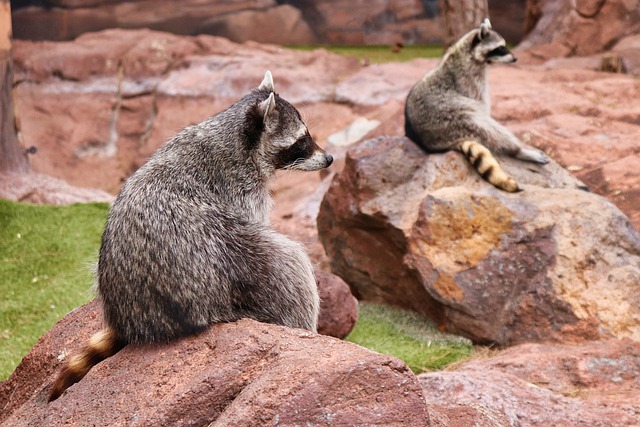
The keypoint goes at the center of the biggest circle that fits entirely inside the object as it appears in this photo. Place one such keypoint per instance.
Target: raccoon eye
(301, 149)
(499, 51)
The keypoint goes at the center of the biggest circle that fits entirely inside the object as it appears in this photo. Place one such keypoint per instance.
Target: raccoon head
(487, 46)
(280, 136)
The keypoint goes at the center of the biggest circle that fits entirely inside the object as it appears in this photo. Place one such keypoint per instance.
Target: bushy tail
(100, 346)
(487, 165)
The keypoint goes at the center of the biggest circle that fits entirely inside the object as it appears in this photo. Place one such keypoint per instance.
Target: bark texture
(12, 156)
(461, 16)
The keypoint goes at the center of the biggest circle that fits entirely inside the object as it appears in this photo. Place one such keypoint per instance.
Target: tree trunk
(461, 16)
(13, 157)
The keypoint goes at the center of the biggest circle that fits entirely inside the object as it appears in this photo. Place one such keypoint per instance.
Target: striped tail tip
(100, 346)
(487, 166)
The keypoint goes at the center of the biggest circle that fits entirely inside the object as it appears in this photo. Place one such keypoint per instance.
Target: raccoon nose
(329, 159)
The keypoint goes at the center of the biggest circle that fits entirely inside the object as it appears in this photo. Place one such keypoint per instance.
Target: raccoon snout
(329, 159)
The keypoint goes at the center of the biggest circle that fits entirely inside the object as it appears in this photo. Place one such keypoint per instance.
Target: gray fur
(451, 103)
(188, 243)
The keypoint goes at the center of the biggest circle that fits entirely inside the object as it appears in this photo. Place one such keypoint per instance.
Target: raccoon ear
(267, 83)
(259, 117)
(485, 27)
(268, 108)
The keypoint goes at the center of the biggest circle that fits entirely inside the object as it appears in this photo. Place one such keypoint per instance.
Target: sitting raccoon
(188, 243)
(449, 109)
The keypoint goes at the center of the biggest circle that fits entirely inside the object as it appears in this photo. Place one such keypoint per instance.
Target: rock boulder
(242, 373)
(425, 232)
(591, 384)
(265, 21)
(42, 189)
(338, 307)
(97, 107)
(577, 28)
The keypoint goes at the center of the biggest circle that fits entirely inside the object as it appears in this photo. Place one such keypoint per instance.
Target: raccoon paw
(510, 185)
(531, 155)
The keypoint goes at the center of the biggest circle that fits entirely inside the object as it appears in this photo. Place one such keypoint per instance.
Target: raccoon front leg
(289, 294)
(532, 155)
(487, 166)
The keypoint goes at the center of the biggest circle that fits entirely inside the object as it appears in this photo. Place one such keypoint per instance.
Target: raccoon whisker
(307, 116)
(295, 163)
(286, 172)
(303, 104)
(311, 127)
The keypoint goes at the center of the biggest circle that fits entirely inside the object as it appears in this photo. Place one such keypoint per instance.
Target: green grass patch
(46, 257)
(381, 54)
(407, 336)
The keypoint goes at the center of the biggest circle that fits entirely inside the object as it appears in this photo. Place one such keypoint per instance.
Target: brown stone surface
(133, 90)
(629, 50)
(577, 28)
(279, 25)
(472, 414)
(327, 22)
(585, 120)
(338, 307)
(265, 21)
(94, 121)
(508, 18)
(42, 189)
(374, 22)
(242, 373)
(257, 374)
(425, 232)
(74, 18)
(592, 384)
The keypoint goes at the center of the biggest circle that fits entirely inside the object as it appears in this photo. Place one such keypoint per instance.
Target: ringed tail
(100, 346)
(487, 165)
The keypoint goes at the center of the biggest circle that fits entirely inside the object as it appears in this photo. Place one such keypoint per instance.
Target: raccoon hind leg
(487, 166)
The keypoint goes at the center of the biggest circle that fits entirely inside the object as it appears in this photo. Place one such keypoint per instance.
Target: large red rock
(97, 107)
(260, 25)
(425, 232)
(242, 373)
(265, 21)
(327, 22)
(577, 28)
(42, 189)
(71, 18)
(94, 121)
(338, 307)
(256, 374)
(594, 384)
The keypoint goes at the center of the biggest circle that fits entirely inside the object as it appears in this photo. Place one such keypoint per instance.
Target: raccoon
(449, 109)
(187, 242)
